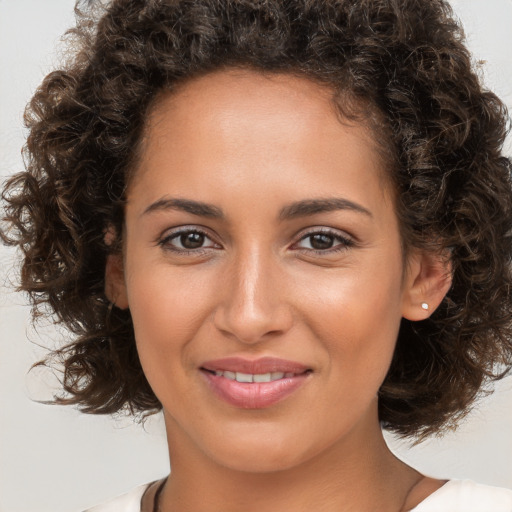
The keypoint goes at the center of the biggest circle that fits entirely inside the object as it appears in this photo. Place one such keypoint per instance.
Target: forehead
(234, 126)
(246, 99)
(240, 89)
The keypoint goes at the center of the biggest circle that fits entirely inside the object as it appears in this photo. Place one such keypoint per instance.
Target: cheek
(168, 309)
(357, 317)
(161, 295)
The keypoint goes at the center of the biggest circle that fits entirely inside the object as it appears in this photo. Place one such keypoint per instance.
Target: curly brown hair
(404, 59)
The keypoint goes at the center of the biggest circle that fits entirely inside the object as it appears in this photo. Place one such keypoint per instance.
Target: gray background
(54, 459)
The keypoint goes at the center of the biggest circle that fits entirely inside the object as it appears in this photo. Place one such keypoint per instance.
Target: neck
(359, 473)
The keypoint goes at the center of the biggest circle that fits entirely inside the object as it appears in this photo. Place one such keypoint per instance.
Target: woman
(286, 226)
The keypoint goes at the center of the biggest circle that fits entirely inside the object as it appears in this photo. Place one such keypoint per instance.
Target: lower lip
(254, 395)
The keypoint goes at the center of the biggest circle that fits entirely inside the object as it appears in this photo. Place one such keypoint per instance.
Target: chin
(260, 462)
(260, 455)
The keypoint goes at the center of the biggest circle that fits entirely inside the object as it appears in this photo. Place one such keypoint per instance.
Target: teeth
(262, 377)
(249, 377)
(243, 377)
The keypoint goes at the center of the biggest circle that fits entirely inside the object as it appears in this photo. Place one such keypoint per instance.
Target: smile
(254, 384)
(257, 377)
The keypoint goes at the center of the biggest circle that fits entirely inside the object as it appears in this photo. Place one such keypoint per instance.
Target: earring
(424, 305)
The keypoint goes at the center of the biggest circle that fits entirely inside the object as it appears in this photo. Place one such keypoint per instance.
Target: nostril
(251, 325)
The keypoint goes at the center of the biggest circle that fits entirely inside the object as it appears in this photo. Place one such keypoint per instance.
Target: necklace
(156, 499)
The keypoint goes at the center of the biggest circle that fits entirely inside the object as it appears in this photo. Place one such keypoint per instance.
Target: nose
(253, 306)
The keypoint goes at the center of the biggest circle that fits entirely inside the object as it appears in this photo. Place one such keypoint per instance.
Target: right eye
(187, 241)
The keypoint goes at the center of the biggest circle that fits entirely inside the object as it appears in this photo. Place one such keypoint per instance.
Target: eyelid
(164, 239)
(346, 239)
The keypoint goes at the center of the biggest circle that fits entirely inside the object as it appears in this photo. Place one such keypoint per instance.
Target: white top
(454, 496)
(467, 496)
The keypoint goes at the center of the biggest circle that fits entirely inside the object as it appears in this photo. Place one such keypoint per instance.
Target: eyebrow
(302, 208)
(314, 206)
(186, 205)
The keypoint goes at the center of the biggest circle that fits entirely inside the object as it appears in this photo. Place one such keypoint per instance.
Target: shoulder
(129, 502)
(467, 496)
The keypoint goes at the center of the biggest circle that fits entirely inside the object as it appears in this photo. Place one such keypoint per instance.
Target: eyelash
(166, 244)
(346, 242)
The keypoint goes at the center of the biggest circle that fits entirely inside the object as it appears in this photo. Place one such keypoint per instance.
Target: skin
(251, 146)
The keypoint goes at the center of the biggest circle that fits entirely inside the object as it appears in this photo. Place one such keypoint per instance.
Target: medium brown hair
(404, 58)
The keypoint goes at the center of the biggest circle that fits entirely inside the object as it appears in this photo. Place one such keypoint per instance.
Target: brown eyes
(319, 241)
(193, 241)
(188, 240)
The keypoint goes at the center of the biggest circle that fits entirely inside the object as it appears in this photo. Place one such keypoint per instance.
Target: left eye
(323, 242)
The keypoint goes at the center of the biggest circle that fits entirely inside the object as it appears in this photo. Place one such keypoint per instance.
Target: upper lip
(256, 366)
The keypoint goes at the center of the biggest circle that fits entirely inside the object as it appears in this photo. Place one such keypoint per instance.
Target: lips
(254, 384)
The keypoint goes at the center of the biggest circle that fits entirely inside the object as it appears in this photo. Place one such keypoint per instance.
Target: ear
(115, 286)
(427, 281)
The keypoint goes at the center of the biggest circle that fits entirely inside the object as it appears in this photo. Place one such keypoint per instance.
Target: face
(263, 270)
